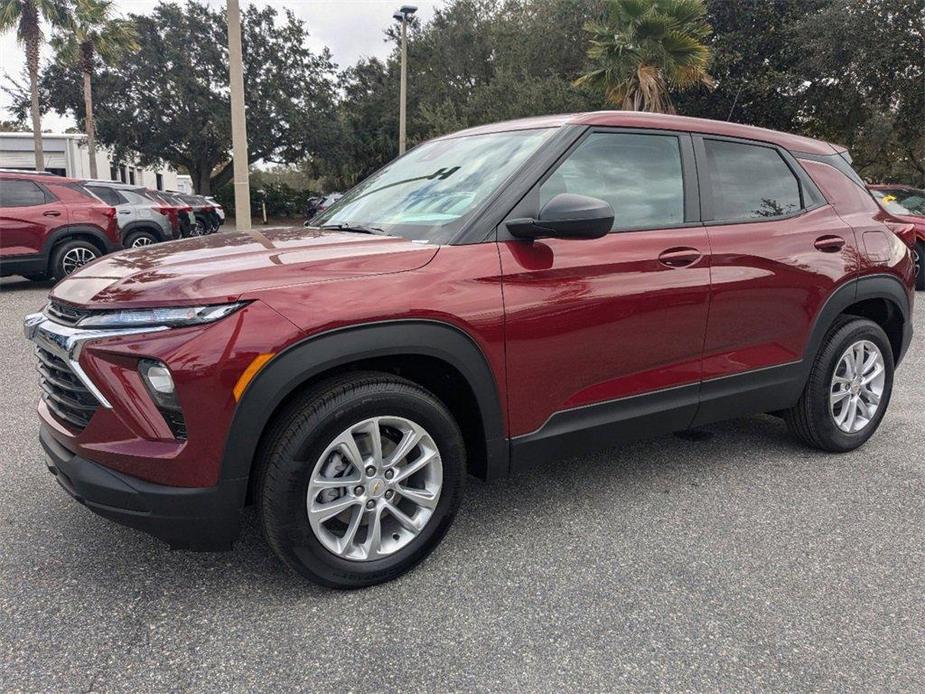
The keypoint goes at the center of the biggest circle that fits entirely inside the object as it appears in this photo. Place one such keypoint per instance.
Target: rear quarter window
(750, 182)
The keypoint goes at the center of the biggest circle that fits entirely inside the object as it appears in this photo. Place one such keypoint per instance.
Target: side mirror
(567, 216)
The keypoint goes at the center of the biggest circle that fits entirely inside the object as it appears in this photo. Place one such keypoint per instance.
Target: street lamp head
(404, 13)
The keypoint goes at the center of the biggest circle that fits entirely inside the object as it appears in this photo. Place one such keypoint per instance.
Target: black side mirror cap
(566, 216)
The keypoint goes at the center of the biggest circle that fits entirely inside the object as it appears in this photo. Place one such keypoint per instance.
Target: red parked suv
(511, 293)
(50, 226)
(908, 205)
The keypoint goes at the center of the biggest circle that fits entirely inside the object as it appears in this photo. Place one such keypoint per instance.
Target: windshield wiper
(358, 228)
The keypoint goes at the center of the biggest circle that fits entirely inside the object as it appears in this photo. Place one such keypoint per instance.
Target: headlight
(149, 317)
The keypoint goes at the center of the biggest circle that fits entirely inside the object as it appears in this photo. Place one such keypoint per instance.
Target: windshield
(430, 192)
(902, 200)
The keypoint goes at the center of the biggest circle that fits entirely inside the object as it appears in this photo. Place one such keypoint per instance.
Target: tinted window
(107, 195)
(639, 175)
(750, 181)
(20, 194)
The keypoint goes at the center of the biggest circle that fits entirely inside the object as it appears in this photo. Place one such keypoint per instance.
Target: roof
(661, 121)
(42, 176)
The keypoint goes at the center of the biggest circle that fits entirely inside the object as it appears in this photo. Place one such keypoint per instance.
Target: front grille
(66, 315)
(67, 398)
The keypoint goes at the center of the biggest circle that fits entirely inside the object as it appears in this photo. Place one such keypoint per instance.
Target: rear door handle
(829, 244)
(679, 257)
(51, 213)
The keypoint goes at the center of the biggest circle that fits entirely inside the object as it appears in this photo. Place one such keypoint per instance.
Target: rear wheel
(71, 255)
(920, 278)
(848, 390)
(361, 479)
(139, 239)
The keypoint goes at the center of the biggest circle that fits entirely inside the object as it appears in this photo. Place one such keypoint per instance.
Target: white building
(66, 155)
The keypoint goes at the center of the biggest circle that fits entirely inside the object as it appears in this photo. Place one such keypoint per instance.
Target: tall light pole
(403, 15)
(242, 192)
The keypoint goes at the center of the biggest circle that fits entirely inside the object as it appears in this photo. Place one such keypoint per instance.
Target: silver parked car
(142, 218)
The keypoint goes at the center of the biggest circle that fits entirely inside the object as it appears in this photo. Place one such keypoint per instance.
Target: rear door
(778, 250)
(28, 212)
(125, 211)
(606, 331)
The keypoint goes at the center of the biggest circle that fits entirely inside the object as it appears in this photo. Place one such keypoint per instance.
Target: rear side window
(17, 193)
(750, 182)
(639, 175)
(107, 195)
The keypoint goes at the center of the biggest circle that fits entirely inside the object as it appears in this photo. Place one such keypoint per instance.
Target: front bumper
(201, 519)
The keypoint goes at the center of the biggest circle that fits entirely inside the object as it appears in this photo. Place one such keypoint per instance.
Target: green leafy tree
(174, 92)
(26, 16)
(643, 49)
(94, 35)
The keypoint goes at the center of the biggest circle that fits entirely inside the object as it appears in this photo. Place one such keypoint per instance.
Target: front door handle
(125, 212)
(51, 213)
(679, 257)
(829, 244)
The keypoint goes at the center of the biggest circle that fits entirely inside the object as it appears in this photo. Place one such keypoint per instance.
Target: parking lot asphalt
(733, 560)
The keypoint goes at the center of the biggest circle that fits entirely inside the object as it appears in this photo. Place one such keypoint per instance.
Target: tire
(71, 255)
(815, 418)
(299, 448)
(199, 228)
(920, 278)
(140, 239)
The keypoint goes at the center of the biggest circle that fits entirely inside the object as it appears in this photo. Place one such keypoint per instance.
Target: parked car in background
(185, 217)
(50, 226)
(217, 207)
(206, 218)
(311, 206)
(511, 294)
(143, 218)
(907, 204)
(313, 209)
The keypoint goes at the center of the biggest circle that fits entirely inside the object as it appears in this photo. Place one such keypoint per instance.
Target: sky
(351, 29)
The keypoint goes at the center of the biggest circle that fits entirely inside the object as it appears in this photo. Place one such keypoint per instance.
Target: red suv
(907, 204)
(50, 226)
(504, 295)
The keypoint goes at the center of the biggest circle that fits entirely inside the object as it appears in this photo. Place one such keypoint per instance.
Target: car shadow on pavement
(15, 284)
(495, 512)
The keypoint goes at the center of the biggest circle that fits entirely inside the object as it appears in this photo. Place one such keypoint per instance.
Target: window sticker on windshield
(889, 198)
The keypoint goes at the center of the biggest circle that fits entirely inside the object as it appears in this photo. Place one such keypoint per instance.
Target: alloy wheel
(142, 241)
(857, 386)
(75, 258)
(374, 488)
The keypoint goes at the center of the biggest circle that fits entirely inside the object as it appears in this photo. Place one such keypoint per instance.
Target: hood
(227, 266)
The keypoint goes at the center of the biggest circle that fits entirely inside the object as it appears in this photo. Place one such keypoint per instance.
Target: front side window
(750, 182)
(430, 192)
(20, 194)
(639, 175)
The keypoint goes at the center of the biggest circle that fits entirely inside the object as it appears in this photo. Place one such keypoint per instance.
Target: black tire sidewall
(285, 496)
(831, 436)
(57, 267)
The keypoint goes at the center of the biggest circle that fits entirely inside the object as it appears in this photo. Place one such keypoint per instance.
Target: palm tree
(26, 16)
(643, 48)
(94, 32)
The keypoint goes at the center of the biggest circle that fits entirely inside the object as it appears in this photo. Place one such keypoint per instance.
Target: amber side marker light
(252, 369)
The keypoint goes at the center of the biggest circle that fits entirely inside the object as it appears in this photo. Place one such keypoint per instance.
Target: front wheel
(848, 390)
(361, 479)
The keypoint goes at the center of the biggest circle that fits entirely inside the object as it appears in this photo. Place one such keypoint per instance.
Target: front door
(608, 331)
(27, 214)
